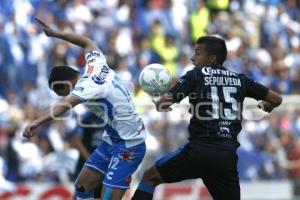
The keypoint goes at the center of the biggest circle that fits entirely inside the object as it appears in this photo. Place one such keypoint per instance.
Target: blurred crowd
(263, 41)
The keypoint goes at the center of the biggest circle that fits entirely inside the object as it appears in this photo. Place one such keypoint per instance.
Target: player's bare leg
(109, 193)
(150, 180)
(86, 182)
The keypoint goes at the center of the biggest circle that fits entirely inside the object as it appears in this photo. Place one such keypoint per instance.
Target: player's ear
(212, 58)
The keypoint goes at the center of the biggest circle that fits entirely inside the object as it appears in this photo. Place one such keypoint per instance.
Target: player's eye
(197, 51)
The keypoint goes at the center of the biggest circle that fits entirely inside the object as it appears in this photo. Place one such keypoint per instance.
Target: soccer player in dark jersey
(216, 98)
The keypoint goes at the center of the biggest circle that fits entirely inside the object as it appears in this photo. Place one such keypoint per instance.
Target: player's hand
(30, 129)
(162, 107)
(265, 106)
(46, 28)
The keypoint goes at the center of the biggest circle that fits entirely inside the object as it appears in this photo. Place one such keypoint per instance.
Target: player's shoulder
(87, 81)
(189, 73)
(95, 58)
(84, 82)
(243, 76)
(86, 88)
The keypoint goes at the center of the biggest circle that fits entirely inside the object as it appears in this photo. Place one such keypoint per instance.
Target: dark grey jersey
(216, 98)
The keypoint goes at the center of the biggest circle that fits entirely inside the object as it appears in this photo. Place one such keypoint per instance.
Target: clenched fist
(30, 129)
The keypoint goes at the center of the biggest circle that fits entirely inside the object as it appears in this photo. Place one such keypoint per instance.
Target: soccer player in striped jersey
(103, 93)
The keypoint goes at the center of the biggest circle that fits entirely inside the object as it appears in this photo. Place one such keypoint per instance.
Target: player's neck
(212, 65)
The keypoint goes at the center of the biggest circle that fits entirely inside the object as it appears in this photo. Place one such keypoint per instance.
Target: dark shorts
(216, 167)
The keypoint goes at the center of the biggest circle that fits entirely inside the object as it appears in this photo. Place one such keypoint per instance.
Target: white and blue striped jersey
(107, 96)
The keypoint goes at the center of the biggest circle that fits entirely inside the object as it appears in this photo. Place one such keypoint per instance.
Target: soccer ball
(155, 79)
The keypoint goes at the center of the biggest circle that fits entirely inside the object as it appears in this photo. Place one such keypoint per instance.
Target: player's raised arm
(55, 111)
(84, 42)
(271, 101)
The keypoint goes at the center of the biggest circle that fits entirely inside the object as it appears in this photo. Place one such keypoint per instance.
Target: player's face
(64, 91)
(66, 88)
(200, 57)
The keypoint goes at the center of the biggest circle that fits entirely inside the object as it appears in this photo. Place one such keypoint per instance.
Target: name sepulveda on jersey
(227, 78)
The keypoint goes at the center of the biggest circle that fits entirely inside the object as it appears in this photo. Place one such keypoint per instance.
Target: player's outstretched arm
(55, 111)
(84, 42)
(271, 101)
(163, 103)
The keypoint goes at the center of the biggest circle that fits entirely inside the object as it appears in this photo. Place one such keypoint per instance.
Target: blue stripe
(113, 134)
(109, 106)
(115, 137)
(146, 187)
(117, 83)
(167, 157)
(85, 194)
(107, 193)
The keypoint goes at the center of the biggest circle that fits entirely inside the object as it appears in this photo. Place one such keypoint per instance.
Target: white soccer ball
(155, 79)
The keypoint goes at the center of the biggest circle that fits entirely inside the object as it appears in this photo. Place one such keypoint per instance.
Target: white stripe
(91, 166)
(116, 186)
(102, 155)
(89, 198)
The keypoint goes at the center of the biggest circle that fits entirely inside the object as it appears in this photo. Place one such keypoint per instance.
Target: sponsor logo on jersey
(210, 71)
(101, 77)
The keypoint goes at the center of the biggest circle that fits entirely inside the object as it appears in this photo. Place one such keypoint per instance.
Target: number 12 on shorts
(112, 166)
(113, 163)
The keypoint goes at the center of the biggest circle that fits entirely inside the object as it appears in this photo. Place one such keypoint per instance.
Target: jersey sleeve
(93, 60)
(183, 87)
(254, 90)
(87, 90)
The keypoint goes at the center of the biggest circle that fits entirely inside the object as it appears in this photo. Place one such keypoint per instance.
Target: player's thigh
(152, 176)
(175, 166)
(110, 193)
(222, 188)
(123, 163)
(222, 179)
(94, 169)
(100, 158)
(88, 179)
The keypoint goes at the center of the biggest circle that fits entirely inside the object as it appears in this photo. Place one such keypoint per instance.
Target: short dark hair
(214, 46)
(61, 73)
